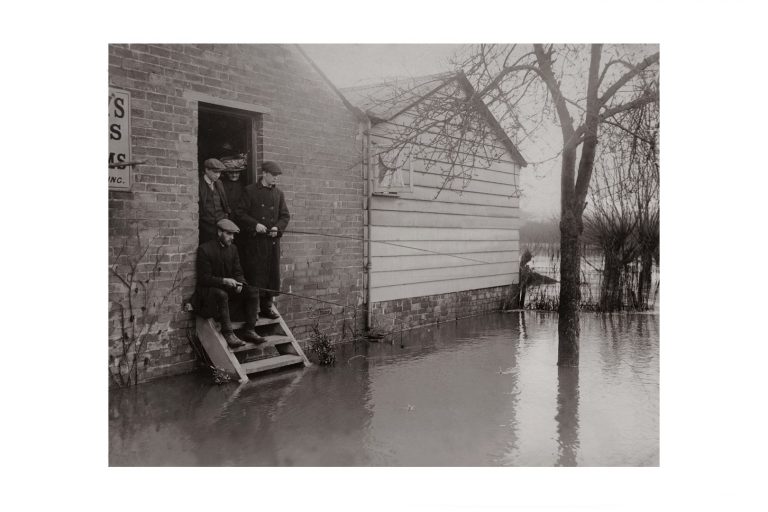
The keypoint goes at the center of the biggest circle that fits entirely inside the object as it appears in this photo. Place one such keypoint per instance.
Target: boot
(250, 334)
(232, 340)
(269, 313)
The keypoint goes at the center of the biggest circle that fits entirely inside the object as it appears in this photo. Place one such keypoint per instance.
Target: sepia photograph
(402, 256)
(384, 255)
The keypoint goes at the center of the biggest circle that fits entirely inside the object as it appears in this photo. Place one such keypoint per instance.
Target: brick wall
(419, 311)
(308, 131)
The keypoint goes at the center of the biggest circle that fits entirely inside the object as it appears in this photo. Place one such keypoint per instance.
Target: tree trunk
(570, 292)
(644, 282)
(610, 292)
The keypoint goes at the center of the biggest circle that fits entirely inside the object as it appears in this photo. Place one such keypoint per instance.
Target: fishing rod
(347, 237)
(344, 307)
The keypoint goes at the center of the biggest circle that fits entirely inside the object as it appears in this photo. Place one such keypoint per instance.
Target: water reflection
(567, 416)
(482, 391)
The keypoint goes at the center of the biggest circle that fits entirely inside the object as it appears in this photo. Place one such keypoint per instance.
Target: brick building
(179, 104)
(173, 106)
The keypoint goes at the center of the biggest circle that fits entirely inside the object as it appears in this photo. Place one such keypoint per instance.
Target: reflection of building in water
(453, 405)
(297, 418)
(483, 391)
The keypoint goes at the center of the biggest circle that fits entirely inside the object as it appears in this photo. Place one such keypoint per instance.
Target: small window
(393, 170)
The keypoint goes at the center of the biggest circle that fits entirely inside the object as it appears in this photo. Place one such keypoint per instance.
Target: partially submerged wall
(407, 313)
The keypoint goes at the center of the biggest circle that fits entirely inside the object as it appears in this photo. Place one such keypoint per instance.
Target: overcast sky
(355, 64)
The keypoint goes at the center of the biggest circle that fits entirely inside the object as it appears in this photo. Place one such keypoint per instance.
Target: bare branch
(634, 71)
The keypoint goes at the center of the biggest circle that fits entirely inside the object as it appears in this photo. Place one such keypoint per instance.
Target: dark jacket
(234, 192)
(214, 263)
(209, 214)
(260, 204)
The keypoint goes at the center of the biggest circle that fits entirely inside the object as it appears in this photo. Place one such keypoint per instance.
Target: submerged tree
(580, 89)
(623, 216)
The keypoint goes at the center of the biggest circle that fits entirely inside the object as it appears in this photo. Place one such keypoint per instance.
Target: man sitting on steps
(220, 281)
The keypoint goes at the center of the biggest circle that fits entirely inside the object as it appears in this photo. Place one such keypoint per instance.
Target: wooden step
(271, 363)
(260, 323)
(272, 341)
(217, 350)
(231, 360)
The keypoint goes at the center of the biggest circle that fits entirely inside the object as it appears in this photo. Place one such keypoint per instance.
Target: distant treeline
(540, 232)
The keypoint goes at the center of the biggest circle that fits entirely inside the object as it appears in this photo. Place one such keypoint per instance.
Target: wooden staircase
(280, 350)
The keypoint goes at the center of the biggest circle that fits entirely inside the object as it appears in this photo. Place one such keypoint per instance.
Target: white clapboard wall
(427, 243)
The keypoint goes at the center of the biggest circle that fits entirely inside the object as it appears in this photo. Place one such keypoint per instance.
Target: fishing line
(359, 239)
(390, 316)
(386, 243)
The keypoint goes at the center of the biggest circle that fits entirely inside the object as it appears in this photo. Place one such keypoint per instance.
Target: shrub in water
(320, 345)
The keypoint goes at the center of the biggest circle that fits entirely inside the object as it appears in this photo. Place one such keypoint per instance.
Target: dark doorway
(225, 133)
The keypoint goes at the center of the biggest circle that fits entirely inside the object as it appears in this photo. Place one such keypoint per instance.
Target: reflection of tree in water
(628, 344)
(567, 417)
(611, 348)
(523, 328)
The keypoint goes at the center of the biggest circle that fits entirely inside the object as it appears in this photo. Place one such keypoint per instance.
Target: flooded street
(484, 391)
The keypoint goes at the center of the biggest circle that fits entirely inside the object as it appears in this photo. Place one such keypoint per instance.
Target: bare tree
(144, 293)
(623, 215)
(579, 89)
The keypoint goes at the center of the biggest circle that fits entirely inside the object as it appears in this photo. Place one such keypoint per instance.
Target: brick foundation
(420, 311)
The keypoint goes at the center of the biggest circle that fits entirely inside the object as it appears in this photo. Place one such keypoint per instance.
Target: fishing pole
(347, 237)
(344, 307)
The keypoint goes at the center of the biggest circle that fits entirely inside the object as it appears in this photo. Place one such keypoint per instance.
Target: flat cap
(214, 164)
(228, 225)
(271, 167)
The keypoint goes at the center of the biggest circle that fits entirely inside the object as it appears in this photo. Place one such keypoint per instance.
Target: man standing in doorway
(264, 216)
(213, 204)
(220, 282)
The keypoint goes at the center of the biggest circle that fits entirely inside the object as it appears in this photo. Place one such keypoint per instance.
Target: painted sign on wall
(119, 139)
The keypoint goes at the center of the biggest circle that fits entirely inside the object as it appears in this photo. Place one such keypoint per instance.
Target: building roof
(386, 100)
(383, 101)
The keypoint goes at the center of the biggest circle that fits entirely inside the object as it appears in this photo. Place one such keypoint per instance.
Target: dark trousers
(250, 299)
(265, 299)
(207, 231)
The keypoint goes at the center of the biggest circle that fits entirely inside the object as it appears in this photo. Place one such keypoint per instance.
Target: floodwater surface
(484, 391)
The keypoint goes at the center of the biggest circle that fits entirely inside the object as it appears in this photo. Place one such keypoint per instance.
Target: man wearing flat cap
(264, 216)
(220, 283)
(213, 204)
